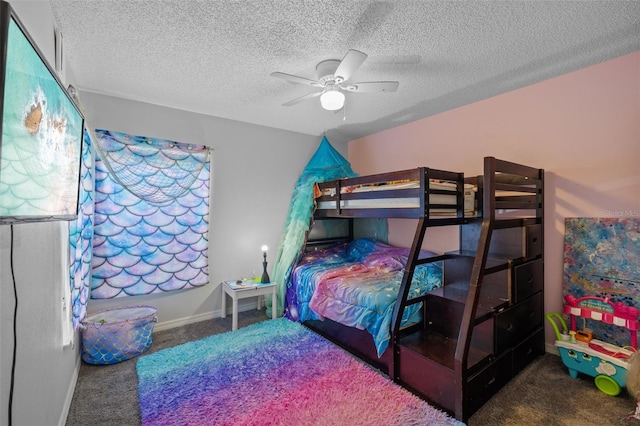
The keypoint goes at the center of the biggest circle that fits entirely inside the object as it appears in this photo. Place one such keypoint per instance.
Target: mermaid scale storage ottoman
(114, 335)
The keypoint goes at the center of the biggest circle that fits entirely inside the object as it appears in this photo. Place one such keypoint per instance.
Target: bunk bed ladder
(405, 285)
(473, 296)
(413, 259)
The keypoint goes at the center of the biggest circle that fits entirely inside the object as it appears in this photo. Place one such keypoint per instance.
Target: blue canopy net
(325, 165)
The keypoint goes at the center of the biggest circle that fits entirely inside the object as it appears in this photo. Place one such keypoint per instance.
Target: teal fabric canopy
(325, 165)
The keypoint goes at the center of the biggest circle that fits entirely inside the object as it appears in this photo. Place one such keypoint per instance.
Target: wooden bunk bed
(434, 197)
(484, 324)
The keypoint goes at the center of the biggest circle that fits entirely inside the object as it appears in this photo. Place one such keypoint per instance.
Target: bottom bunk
(347, 293)
(356, 341)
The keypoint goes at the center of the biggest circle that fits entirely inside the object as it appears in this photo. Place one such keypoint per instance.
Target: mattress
(357, 284)
(401, 202)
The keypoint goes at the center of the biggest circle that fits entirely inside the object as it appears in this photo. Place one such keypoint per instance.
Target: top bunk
(509, 194)
(441, 197)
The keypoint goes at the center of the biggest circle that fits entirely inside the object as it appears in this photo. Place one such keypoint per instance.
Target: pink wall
(583, 128)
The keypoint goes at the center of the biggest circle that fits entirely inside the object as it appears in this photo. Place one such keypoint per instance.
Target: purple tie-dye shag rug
(275, 372)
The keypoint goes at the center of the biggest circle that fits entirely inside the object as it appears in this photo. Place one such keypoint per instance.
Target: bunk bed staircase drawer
(516, 323)
(428, 378)
(529, 278)
(528, 350)
(484, 384)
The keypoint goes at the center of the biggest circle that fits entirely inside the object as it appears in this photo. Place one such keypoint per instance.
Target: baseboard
(72, 387)
(179, 322)
(551, 349)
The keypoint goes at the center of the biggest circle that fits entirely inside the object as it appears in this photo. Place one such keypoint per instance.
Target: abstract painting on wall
(602, 258)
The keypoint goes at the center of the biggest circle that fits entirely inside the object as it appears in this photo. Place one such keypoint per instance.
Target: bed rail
(510, 192)
(439, 196)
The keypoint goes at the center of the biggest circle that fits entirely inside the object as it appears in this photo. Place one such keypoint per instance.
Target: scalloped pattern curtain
(80, 238)
(151, 216)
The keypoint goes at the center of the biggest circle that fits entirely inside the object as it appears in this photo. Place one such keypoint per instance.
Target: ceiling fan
(333, 75)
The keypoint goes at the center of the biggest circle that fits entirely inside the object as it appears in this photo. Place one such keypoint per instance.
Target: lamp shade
(332, 99)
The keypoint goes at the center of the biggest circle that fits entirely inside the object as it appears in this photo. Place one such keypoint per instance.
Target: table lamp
(265, 276)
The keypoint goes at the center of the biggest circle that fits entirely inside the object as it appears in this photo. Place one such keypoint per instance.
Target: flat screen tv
(41, 132)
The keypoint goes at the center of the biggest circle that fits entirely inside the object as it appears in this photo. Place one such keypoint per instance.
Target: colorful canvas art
(602, 258)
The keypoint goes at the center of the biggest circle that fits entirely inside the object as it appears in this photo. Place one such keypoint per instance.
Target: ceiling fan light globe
(332, 100)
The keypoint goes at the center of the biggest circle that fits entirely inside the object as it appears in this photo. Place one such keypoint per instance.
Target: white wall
(45, 372)
(254, 170)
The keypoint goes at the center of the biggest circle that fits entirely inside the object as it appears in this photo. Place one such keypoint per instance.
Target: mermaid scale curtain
(80, 237)
(151, 216)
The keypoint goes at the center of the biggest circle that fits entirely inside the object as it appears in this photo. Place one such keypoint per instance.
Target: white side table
(241, 290)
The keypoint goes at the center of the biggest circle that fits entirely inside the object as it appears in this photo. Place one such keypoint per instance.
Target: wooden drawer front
(528, 279)
(484, 384)
(513, 325)
(431, 380)
(528, 350)
(533, 235)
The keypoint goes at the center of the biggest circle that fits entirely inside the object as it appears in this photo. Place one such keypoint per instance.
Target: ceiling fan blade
(373, 86)
(296, 79)
(302, 98)
(349, 64)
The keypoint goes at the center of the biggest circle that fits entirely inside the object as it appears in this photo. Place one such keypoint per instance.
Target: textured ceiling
(216, 57)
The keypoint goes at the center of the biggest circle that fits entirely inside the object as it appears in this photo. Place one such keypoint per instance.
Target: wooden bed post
(475, 285)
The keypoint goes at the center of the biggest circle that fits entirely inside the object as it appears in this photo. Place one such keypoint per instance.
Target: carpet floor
(542, 394)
